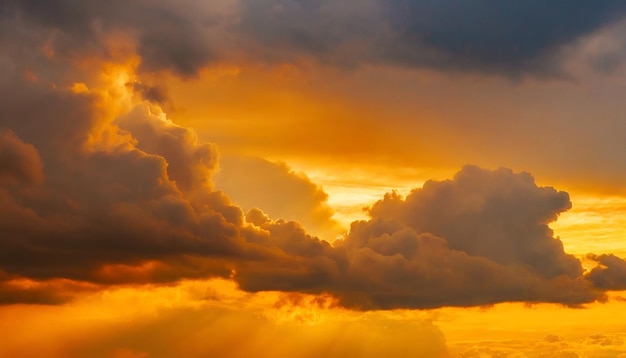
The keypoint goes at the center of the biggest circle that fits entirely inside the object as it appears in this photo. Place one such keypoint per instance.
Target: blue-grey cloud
(491, 35)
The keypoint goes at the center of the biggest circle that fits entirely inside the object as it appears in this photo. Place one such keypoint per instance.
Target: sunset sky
(313, 178)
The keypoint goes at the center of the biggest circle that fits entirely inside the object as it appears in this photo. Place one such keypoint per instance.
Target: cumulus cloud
(190, 164)
(279, 191)
(498, 215)
(478, 239)
(610, 274)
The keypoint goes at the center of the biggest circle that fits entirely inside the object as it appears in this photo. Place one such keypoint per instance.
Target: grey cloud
(479, 239)
(190, 164)
(169, 36)
(51, 292)
(491, 35)
(499, 37)
(498, 215)
(19, 161)
(611, 272)
(156, 94)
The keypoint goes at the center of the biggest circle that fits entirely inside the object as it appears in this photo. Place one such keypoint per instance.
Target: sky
(299, 178)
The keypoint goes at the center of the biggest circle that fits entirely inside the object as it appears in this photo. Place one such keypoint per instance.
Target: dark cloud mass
(494, 35)
(168, 35)
(509, 38)
(98, 189)
(610, 274)
(19, 161)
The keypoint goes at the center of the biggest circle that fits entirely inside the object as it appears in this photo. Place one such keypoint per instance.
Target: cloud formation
(19, 161)
(141, 208)
(100, 188)
(279, 191)
(501, 37)
(610, 274)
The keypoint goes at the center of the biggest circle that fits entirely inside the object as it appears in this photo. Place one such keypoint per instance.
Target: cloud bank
(99, 188)
(499, 37)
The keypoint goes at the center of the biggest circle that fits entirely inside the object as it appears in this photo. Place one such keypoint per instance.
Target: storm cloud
(499, 37)
(490, 35)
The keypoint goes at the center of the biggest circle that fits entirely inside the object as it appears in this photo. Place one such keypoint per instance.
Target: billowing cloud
(279, 191)
(140, 208)
(110, 192)
(610, 274)
(174, 36)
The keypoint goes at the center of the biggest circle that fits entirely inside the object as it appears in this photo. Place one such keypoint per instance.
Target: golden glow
(594, 225)
(211, 317)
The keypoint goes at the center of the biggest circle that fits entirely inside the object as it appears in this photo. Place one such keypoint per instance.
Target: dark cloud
(489, 36)
(156, 94)
(51, 292)
(168, 35)
(611, 272)
(492, 35)
(19, 161)
(190, 164)
(478, 239)
(498, 215)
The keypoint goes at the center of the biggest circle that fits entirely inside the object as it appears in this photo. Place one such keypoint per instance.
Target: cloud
(173, 36)
(156, 94)
(610, 274)
(498, 215)
(141, 209)
(190, 164)
(279, 191)
(478, 239)
(493, 36)
(125, 196)
(184, 37)
(19, 161)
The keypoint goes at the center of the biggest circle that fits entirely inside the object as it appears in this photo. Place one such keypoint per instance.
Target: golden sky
(295, 178)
